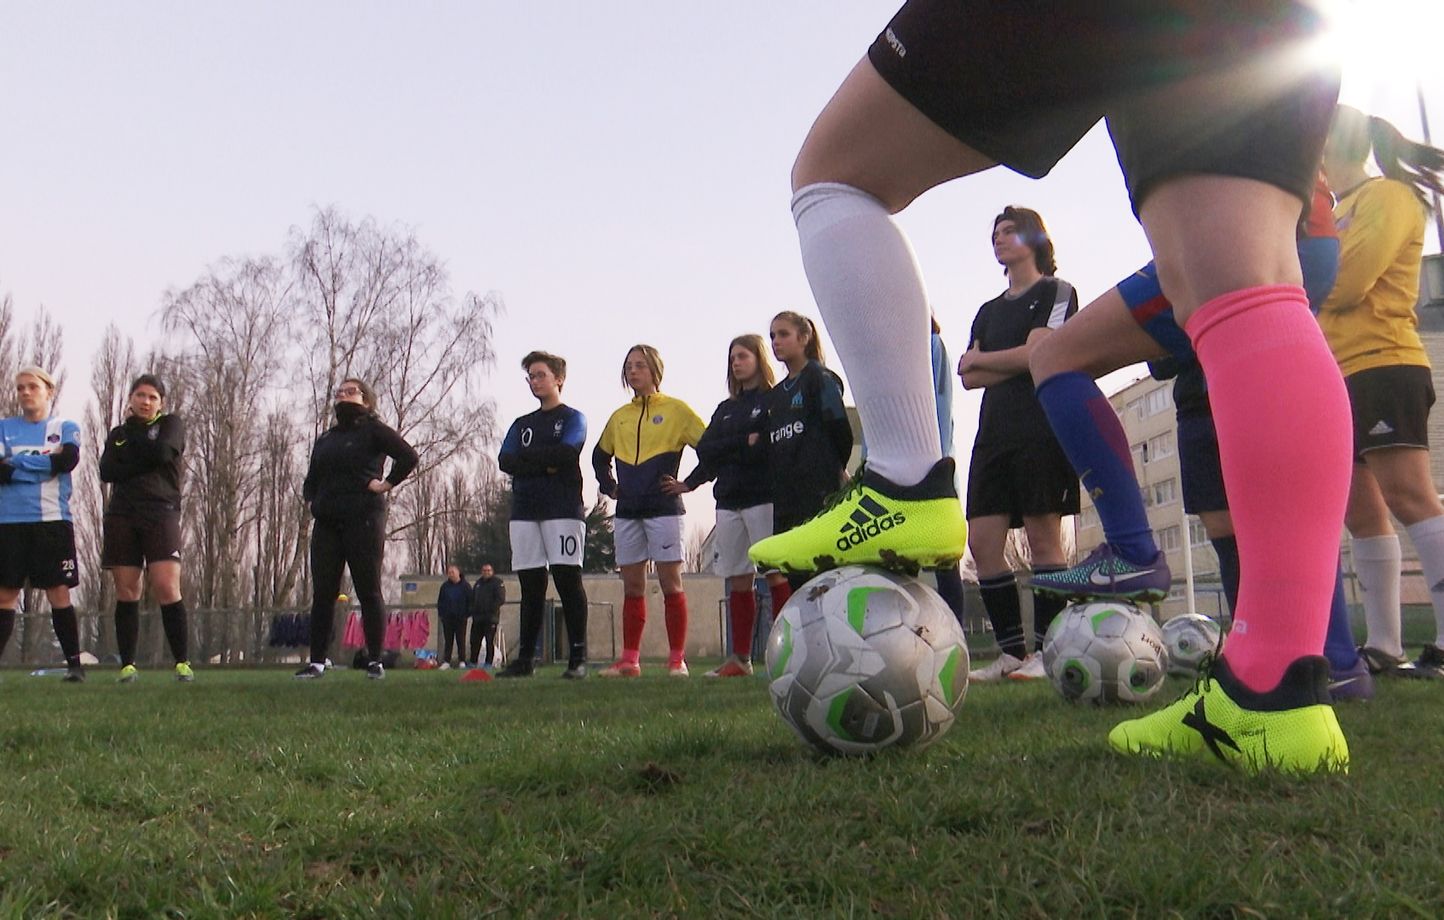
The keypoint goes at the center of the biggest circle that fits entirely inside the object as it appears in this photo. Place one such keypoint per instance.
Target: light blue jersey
(35, 491)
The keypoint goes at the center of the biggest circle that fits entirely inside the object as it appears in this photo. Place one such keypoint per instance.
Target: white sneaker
(1030, 669)
(1001, 667)
(445, 666)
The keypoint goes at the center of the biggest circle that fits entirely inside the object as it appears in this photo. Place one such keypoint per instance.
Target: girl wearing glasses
(345, 491)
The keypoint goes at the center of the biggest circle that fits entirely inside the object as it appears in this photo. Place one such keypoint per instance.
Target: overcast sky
(618, 171)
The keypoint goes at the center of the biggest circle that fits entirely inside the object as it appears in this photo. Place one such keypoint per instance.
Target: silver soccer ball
(861, 660)
(1105, 653)
(1188, 638)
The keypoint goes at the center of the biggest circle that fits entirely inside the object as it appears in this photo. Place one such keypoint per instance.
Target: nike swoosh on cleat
(1340, 684)
(1108, 580)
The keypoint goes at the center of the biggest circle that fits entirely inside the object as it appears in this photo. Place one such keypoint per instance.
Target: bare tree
(111, 369)
(234, 326)
(379, 306)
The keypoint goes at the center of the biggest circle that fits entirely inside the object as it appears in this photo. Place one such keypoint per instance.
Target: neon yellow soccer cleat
(875, 522)
(183, 672)
(1291, 728)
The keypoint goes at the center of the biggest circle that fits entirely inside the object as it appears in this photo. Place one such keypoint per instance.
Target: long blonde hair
(654, 364)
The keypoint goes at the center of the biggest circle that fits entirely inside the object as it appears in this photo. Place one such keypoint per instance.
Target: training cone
(475, 674)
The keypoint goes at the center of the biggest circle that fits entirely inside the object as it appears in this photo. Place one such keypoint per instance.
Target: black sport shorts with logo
(1021, 480)
(135, 540)
(41, 553)
(1391, 407)
(1213, 87)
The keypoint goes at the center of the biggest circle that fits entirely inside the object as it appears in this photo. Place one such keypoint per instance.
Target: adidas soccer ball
(1188, 638)
(1105, 653)
(861, 660)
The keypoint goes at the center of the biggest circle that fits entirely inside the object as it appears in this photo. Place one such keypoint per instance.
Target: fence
(246, 637)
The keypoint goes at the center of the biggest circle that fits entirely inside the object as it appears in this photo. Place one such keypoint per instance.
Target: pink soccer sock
(1286, 446)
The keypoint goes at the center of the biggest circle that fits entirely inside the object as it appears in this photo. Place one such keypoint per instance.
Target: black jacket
(348, 456)
(142, 460)
(724, 454)
(453, 599)
(487, 596)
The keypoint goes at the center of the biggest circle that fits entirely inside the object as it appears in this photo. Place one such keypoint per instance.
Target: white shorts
(734, 534)
(536, 544)
(638, 540)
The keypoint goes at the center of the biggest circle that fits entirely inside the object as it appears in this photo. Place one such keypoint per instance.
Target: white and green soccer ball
(1189, 638)
(861, 660)
(1105, 653)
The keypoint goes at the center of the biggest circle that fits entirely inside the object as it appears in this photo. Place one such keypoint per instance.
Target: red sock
(780, 593)
(676, 607)
(742, 605)
(1285, 441)
(634, 617)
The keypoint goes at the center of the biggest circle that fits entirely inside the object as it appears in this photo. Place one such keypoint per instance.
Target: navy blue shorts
(1199, 464)
(1187, 88)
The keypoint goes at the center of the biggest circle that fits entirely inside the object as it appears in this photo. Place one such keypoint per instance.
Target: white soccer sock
(1428, 538)
(867, 285)
(1377, 561)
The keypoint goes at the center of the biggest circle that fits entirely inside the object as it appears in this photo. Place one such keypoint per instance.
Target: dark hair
(368, 395)
(654, 362)
(147, 380)
(1354, 135)
(1030, 227)
(805, 326)
(556, 364)
(753, 343)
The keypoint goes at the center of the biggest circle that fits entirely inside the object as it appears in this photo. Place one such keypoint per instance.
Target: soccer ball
(1105, 653)
(1188, 638)
(861, 660)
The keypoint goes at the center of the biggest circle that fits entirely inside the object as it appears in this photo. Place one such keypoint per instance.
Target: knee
(1046, 360)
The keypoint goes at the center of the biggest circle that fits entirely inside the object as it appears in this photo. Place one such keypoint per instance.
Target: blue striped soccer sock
(1093, 439)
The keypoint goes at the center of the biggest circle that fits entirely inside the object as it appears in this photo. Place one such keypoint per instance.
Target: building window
(1157, 401)
(1197, 536)
(1135, 406)
(1158, 447)
(1165, 492)
(1168, 539)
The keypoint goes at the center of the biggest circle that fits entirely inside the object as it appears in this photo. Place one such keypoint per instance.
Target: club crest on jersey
(756, 411)
(656, 420)
(153, 433)
(557, 428)
(52, 439)
(797, 400)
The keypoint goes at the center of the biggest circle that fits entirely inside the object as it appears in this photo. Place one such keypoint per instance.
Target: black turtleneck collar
(349, 413)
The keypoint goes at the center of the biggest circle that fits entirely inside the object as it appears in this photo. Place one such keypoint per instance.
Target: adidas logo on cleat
(868, 520)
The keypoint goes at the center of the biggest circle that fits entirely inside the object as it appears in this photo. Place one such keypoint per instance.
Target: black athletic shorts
(42, 554)
(1390, 407)
(1021, 481)
(1215, 87)
(1199, 464)
(134, 540)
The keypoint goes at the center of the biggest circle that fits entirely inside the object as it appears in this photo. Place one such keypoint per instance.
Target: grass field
(250, 794)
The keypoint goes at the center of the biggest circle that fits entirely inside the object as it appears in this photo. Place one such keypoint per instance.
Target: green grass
(250, 794)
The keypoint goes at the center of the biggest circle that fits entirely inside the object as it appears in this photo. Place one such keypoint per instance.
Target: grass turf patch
(250, 793)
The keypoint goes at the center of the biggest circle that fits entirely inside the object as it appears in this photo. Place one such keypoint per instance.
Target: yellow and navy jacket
(1368, 318)
(645, 437)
